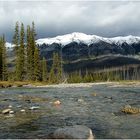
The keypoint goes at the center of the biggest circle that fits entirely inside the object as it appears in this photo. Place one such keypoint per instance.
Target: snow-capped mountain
(87, 39)
(84, 38)
(79, 45)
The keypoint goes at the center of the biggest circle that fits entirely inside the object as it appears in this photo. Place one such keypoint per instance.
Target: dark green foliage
(16, 46)
(20, 66)
(37, 73)
(55, 75)
(16, 38)
(111, 74)
(31, 46)
(3, 63)
(44, 70)
(0, 59)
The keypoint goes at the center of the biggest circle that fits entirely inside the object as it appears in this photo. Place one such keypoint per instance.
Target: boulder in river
(73, 132)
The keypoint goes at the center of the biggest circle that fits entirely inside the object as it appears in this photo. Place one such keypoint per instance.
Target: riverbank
(8, 84)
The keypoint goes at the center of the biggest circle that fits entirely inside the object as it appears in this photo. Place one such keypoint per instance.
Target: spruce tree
(28, 52)
(31, 45)
(4, 63)
(36, 65)
(44, 70)
(16, 47)
(52, 75)
(20, 72)
(56, 70)
(1, 59)
(16, 38)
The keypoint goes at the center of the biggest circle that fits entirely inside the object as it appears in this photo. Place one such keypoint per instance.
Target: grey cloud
(58, 17)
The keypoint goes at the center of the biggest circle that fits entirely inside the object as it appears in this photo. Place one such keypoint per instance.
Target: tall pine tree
(1, 59)
(37, 72)
(44, 70)
(3, 63)
(31, 46)
(16, 47)
(56, 69)
(20, 72)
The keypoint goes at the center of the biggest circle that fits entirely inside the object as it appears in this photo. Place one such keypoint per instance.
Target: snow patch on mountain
(120, 40)
(68, 38)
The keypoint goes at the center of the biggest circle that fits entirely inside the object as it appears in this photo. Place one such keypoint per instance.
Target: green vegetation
(56, 71)
(124, 73)
(44, 70)
(3, 63)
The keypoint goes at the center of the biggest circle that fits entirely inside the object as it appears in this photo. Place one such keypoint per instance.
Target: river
(96, 106)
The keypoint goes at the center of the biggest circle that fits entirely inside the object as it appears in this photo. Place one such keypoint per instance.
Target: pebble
(80, 100)
(6, 111)
(94, 94)
(22, 110)
(10, 106)
(57, 102)
(19, 106)
(34, 107)
(11, 112)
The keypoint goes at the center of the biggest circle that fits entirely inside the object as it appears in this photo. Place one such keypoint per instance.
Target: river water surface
(97, 107)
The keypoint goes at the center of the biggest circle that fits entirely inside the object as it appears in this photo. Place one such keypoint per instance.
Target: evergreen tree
(4, 63)
(20, 72)
(28, 53)
(1, 59)
(59, 68)
(36, 65)
(16, 38)
(44, 70)
(31, 46)
(56, 70)
(16, 46)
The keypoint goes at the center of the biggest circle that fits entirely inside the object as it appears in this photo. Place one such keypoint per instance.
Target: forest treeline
(29, 66)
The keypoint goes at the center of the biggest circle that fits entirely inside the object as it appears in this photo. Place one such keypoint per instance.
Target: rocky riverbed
(39, 111)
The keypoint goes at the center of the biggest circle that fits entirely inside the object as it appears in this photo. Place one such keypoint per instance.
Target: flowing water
(79, 106)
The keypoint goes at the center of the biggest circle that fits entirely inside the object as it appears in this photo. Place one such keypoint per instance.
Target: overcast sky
(54, 18)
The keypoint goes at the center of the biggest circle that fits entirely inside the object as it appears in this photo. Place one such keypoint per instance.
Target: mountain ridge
(85, 39)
